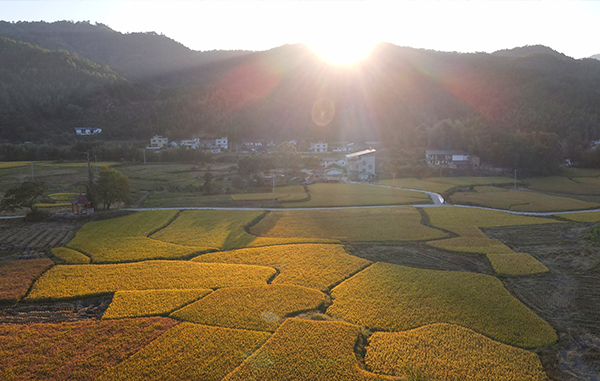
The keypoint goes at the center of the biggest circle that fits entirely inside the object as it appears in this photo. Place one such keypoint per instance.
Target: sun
(342, 51)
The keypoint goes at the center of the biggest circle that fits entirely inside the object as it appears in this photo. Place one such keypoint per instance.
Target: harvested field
(128, 304)
(401, 298)
(20, 240)
(259, 308)
(55, 312)
(521, 201)
(368, 224)
(73, 351)
(188, 352)
(72, 281)
(310, 265)
(306, 350)
(324, 194)
(220, 230)
(453, 216)
(460, 354)
(419, 255)
(17, 276)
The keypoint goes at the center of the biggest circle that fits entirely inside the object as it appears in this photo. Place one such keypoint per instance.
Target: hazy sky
(571, 27)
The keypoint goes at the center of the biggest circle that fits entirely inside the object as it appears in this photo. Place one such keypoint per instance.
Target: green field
(521, 201)
(460, 354)
(402, 298)
(316, 266)
(559, 184)
(322, 195)
(453, 216)
(368, 224)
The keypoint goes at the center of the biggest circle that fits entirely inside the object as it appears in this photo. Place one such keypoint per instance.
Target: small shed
(81, 205)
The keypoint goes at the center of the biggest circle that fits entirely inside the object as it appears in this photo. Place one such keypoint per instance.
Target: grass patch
(581, 217)
(260, 308)
(401, 298)
(285, 194)
(456, 216)
(16, 277)
(322, 195)
(368, 224)
(309, 265)
(70, 256)
(73, 351)
(503, 259)
(421, 184)
(460, 354)
(124, 239)
(220, 230)
(521, 201)
(127, 304)
(306, 350)
(71, 281)
(188, 352)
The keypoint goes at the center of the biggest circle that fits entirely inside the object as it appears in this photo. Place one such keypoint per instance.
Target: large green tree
(112, 187)
(23, 196)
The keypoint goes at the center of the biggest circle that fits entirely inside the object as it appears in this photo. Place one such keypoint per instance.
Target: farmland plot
(401, 298)
(188, 352)
(70, 256)
(127, 304)
(421, 184)
(368, 224)
(282, 194)
(460, 354)
(452, 216)
(306, 350)
(20, 240)
(17, 276)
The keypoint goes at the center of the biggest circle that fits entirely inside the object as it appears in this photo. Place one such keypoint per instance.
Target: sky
(570, 27)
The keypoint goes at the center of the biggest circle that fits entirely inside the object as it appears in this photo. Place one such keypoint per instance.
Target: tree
(112, 187)
(207, 187)
(286, 155)
(23, 196)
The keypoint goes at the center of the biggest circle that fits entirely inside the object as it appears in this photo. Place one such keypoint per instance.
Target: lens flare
(323, 112)
(342, 51)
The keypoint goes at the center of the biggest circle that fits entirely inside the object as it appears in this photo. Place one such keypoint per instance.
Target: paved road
(436, 199)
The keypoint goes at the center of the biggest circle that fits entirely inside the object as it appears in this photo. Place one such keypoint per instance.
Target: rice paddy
(282, 194)
(128, 304)
(17, 276)
(453, 216)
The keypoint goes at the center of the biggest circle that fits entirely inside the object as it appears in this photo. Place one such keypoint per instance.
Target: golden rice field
(68, 196)
(70, 256)
(72, 281)
(457, 216)
(14, 164)
(401, 298)
(560, 184)
(125, 239)
(324, 194)
(520, 201)
(259, 308)
(128, 304)
(503, 259)
(284, 194)
(460, 355)
(220, 230)
(17, 276)
(364, 224)
(52, 205)
(317, 266)
(581, 217)
(468, 181)
(306, 350)
(188, 352)
(73, 351)
(421, 184)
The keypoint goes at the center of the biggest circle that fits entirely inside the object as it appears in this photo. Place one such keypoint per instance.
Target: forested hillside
(528, 107)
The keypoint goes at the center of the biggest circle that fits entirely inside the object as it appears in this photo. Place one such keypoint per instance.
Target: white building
(190, 143)
(158, 142)
(214, 144)
(318, 147)
(87, 130)
(361, 165)
(332, 160)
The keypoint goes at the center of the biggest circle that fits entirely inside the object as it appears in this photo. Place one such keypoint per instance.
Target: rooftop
(361, 153)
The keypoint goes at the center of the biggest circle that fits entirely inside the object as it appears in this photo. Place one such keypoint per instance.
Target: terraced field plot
(322, 195)
(316, 266)
(468, 181)
(306, 350)
(220, 230)
(188, 352)
(560, 184)
(460, 354)
(73, 351)
(71, 281)
(125, 239)
(283, 194)
(455, 216)
(521, 201)
(401, 298)
(126, 304)
(421, 184)
(17, 276)
(368, 224)
(70, 256)
(581, 217)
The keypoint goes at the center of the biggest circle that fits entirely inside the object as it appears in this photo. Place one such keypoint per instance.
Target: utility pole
(96, 160)
(515, 179)
(393, 177)
(32, 177)
(273, 187)
(144, 156)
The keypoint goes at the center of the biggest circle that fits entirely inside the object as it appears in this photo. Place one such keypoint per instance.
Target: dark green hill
(134, 55)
